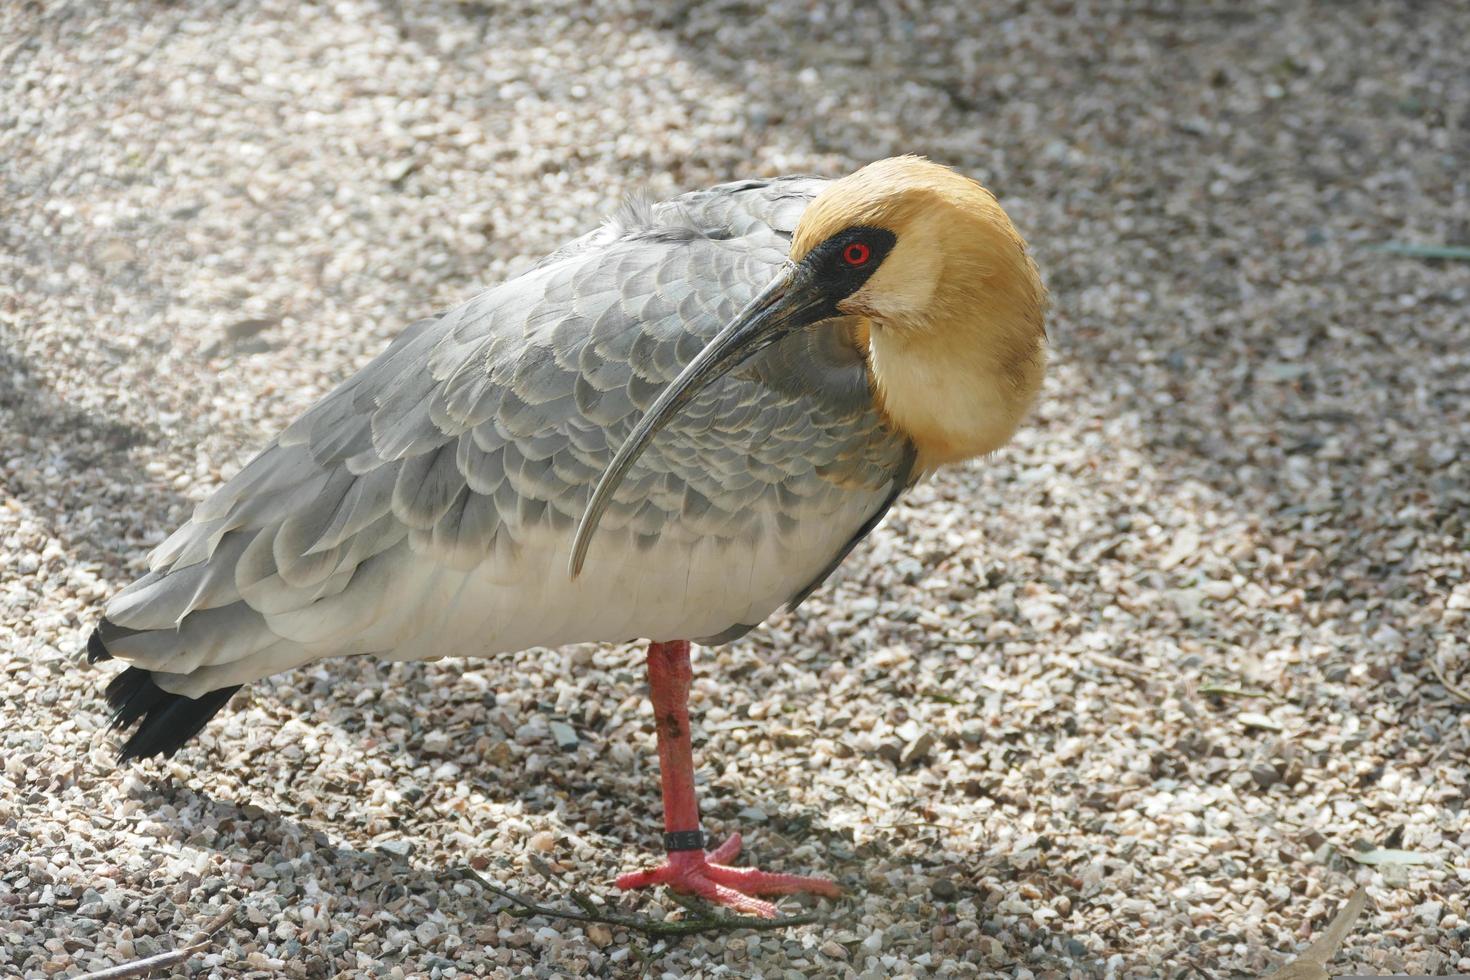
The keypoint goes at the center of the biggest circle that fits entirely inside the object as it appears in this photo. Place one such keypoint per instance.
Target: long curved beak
(794, 300)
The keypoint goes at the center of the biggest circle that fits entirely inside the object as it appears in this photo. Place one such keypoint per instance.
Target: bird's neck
(954, 396)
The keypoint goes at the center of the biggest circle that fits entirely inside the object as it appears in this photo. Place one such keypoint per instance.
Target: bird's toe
(753, 881)
(708, 876)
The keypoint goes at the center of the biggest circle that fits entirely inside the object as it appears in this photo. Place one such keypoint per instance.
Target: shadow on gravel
(492, 760)
(576, 790)
(57, 435)
(283, 849)
(285, 856)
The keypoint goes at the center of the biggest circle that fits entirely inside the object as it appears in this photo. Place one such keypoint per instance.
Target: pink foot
(709, 877)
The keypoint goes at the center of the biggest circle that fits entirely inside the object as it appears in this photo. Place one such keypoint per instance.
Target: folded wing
(425, 507)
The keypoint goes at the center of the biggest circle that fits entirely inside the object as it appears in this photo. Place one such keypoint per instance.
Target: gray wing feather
(427, 484)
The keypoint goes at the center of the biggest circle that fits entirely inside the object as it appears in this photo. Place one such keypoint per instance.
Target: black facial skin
(838, 278)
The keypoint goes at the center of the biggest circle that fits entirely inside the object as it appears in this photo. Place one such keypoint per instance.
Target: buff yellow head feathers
(955, 310)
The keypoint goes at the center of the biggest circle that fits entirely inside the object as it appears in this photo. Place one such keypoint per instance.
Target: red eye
(857, 254)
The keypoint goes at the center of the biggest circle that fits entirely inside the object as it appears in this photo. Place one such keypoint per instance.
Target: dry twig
(1455, 690)
(1222, 691)
(1121, 666)
(1312, 963)
(145, 966)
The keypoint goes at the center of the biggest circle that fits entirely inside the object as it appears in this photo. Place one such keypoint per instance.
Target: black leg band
(684, 840)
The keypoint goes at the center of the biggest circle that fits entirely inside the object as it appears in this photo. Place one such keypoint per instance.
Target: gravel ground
(1135, 698)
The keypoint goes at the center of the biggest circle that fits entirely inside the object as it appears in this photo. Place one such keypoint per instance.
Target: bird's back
(426, 507)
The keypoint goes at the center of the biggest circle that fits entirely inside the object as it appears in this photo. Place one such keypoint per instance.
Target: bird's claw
(707, 875)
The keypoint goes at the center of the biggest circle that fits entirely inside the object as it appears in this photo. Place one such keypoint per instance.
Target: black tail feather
(168, 720)
(96, 650)
(105, 633)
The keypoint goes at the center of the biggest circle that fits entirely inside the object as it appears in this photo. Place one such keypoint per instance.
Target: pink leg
(688, 868)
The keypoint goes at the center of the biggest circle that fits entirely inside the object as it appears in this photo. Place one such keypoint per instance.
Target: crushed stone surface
(1147, 694)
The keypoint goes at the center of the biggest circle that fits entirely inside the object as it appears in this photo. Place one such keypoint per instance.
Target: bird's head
(953, 305)
(949, 306)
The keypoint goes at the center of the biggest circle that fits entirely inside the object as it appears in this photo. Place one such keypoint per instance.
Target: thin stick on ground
(648, 927)
(1455, 690)
(145, 966)
(1311, 963)
(1121, 666)
(1222, 691)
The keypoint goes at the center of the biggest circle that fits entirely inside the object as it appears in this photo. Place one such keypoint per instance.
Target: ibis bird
(667, 429)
